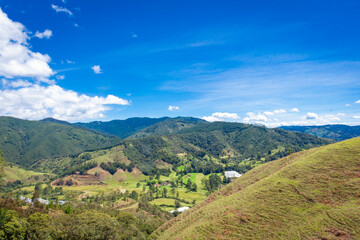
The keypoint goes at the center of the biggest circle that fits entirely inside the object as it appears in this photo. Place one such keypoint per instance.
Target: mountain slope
(335, 132)
(169, 126)
(121, 128)
(312, 194)
(208, 147)
(24, 142)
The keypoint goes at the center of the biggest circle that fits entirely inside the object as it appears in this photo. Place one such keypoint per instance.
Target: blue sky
(268, 62)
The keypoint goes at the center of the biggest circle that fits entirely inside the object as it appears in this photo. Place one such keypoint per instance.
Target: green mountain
(205, 148)
(121, 128)
(335, 132)
(169, 126)
(24, 142)
(312, 194)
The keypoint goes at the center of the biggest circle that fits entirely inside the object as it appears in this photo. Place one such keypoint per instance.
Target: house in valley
(232, 175)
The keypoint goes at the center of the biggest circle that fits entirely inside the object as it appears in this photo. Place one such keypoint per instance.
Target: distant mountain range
(335, 132)
(121, 128)
(141, 127)
(25, 142)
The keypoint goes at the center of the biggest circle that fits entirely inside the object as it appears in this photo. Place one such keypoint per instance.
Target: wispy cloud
(61, 9)
(266, 85)
(46, 34)
(96, 69)
(172, 108)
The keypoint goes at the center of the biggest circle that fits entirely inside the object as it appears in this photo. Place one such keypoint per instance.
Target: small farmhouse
(182, 209)
(232, 174)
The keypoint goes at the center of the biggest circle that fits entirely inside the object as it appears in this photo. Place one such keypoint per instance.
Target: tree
(177, 204)
(134, 195)
(68, 209)
(40, 227)
(88, 225)
(11, 227)
(289, 151)
(194, 187)
(164, 194)
(35, 196)
(212, 183)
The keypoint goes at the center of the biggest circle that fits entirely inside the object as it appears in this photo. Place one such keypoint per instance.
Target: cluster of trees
(112, 167)
(77, 222)
(81, 168)
(212, 183)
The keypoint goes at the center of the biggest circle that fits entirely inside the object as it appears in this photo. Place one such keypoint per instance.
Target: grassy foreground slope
(314, 194)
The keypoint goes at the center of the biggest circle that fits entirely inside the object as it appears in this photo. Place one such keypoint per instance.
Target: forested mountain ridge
(169, 126)
(312, 194)
(336, 132)
(121, 128)
(24, 142)
(206, 148)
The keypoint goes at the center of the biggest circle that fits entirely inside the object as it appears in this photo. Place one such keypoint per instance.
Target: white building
(232, 174)
(182, 209)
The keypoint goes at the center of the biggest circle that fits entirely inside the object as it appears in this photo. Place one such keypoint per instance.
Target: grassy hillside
(335, 132)
(24, 142)
(13, 173)
(313, 194)
(121, 128)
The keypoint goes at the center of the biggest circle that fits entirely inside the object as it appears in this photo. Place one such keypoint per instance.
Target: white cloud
(16, 84)
(347, 105)
(61, 9)
(46, 34)
(221, 116)
(36, 102)
(357, 117)
(134, 35)
(76, 25)
(311, 115)
(60, 77)
(294, 110)
(69, 61)
(96, 69)
(358, 101)
(280, 111)
(277, 111)
(253, 117)
(16, 59)
(128, 94)
(172, 108)
(266, 113)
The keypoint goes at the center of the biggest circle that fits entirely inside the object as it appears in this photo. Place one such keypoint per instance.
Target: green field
(15, 173)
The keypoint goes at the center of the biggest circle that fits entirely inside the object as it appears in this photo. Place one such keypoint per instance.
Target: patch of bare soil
(76, 179)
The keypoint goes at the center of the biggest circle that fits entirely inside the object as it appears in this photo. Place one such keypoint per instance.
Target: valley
(172, 164)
